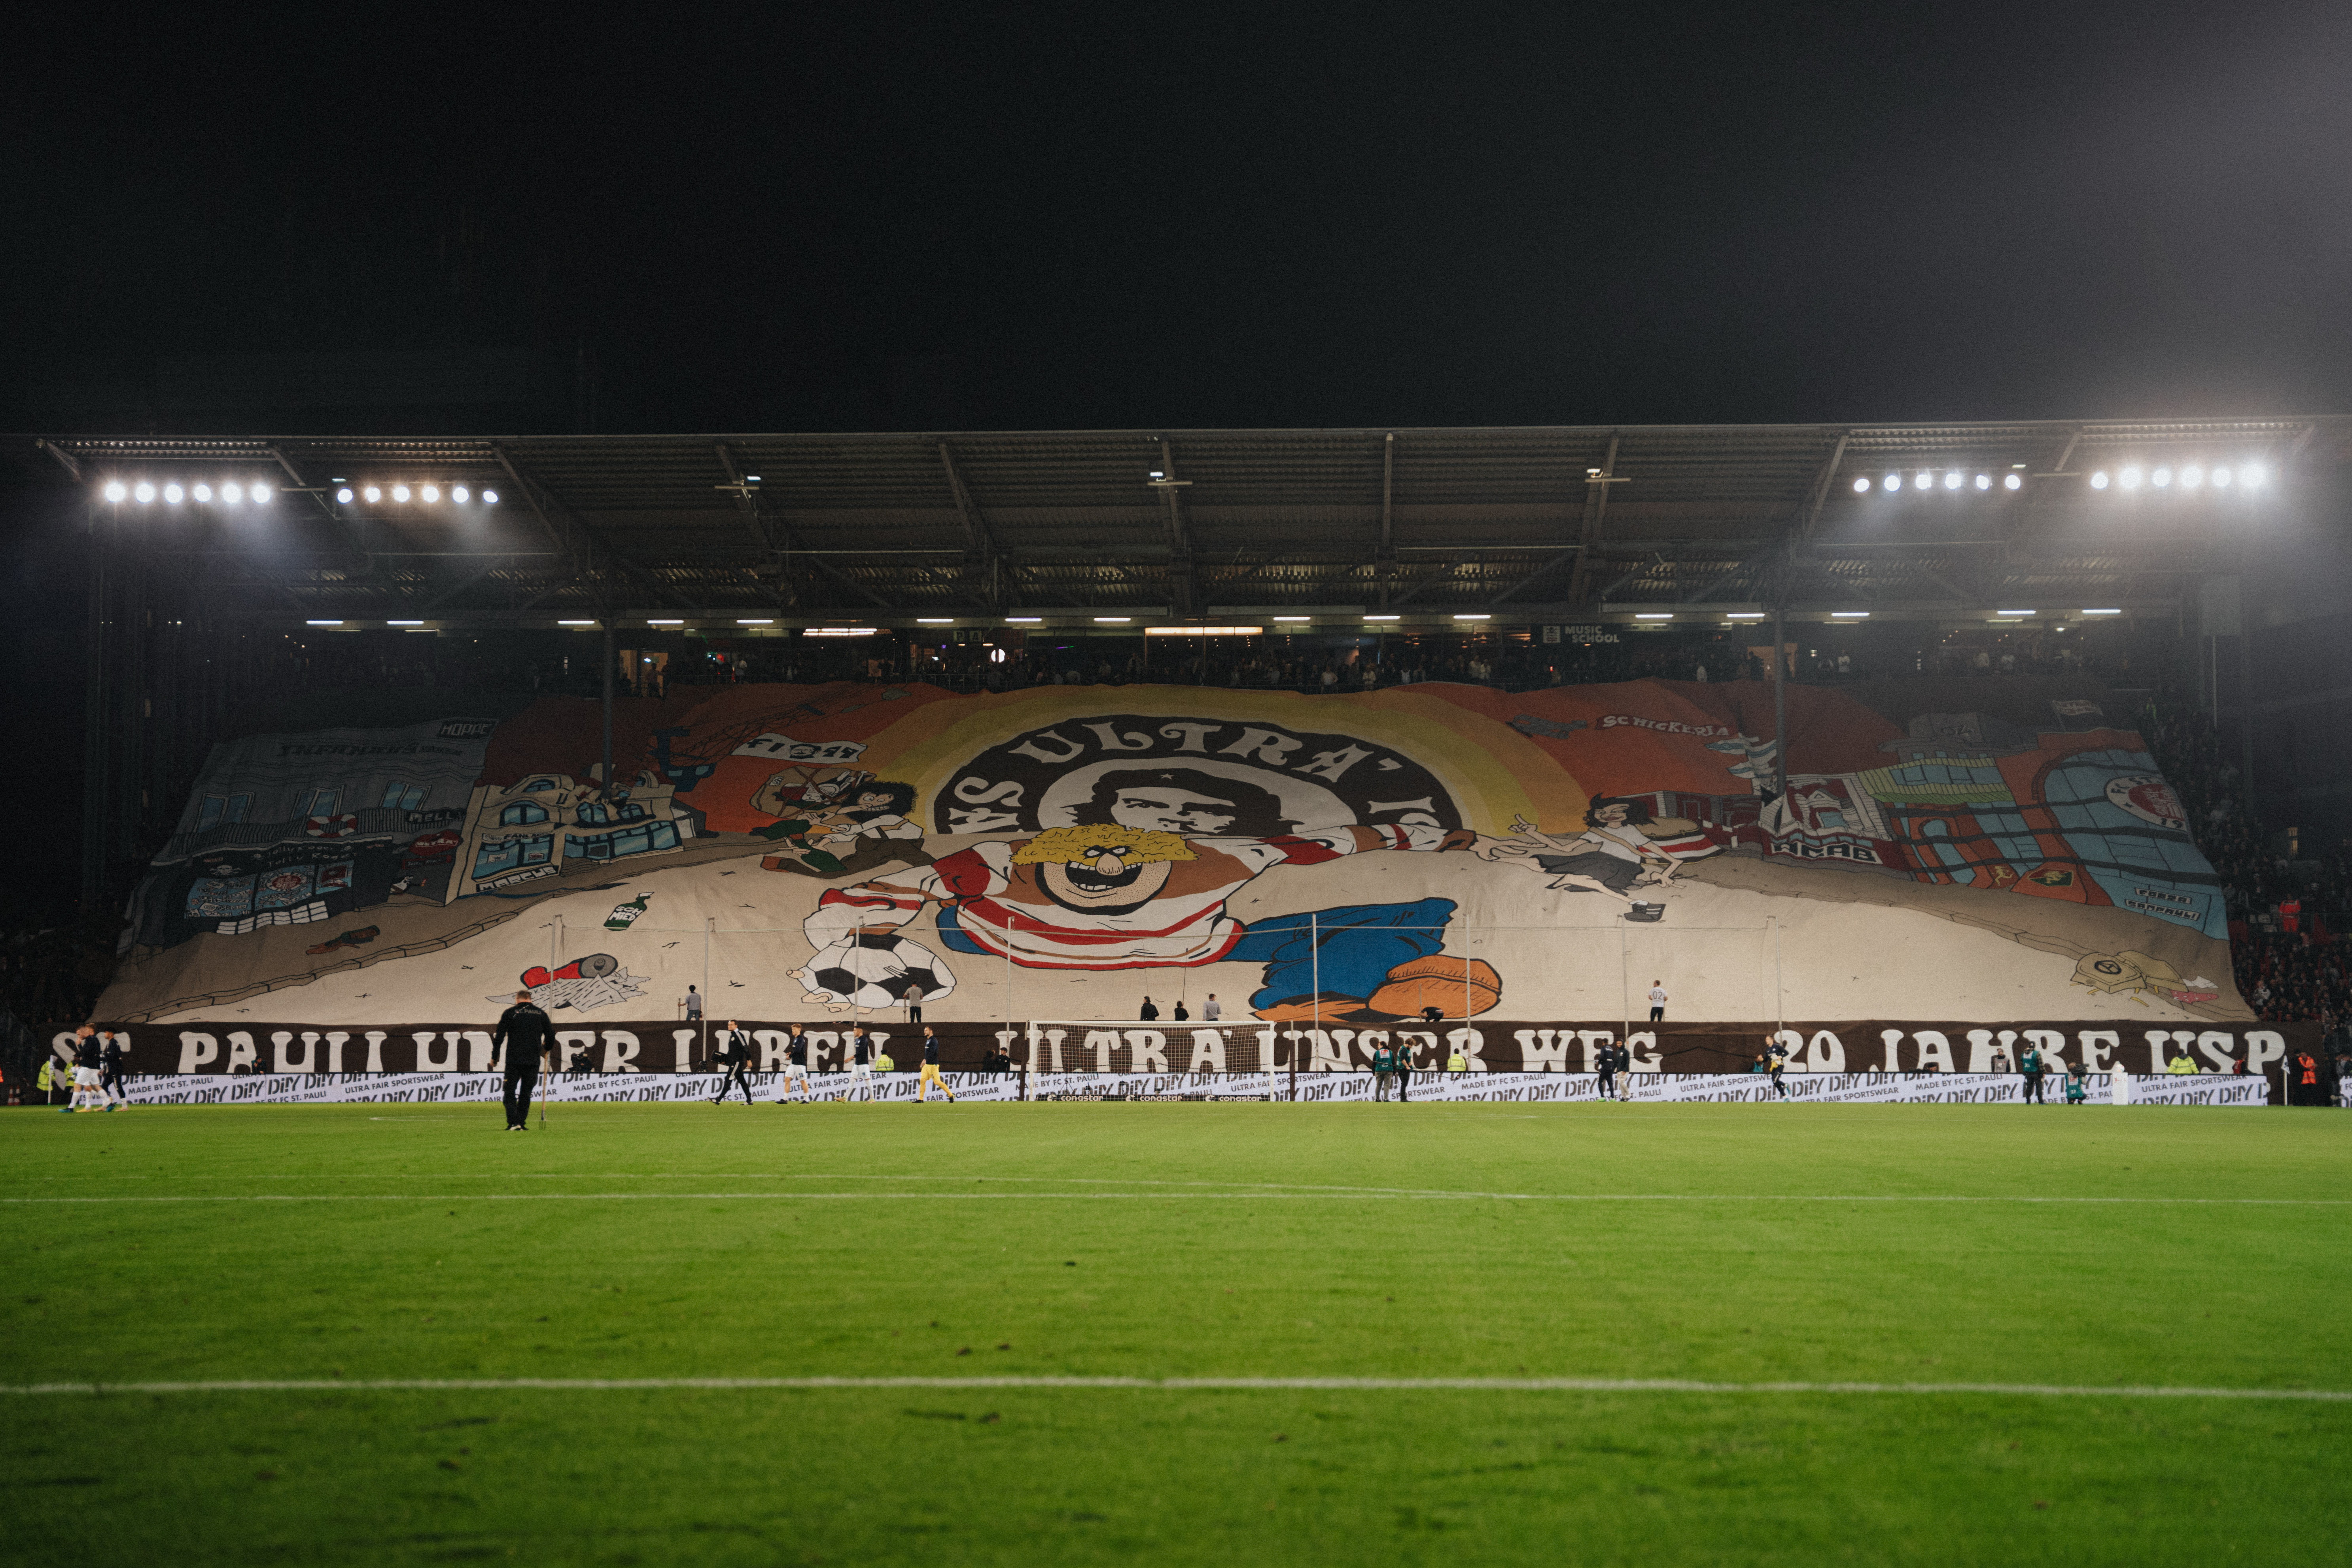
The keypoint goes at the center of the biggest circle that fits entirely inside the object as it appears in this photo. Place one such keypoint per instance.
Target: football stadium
(1635, 994)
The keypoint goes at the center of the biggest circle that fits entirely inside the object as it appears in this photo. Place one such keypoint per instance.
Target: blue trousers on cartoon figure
(1364, 964)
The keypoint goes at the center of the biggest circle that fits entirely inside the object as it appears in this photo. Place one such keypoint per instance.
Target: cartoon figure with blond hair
(1121, 895)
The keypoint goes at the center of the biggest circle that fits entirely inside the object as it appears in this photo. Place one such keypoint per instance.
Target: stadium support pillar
(1779, 708)
(95, 730)
(609, 657)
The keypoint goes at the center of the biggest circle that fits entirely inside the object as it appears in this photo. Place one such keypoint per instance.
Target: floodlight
(1656, 616)
(2099, 481)
(1849, 615)
(2162, 478)
(2016, 612)
(2221, 478)
(1926, 481)
(344, 495)
(1745, 615)
(201, 492)
(431, 492)
(172, 494)
(1158, 473)
(260, 492)
(1112, 620)
(1294, 617)
(489, 498)
(2103, 612)
(679, 622)
(1862, 487)
(403, 623)
(1984, 481)
(935, 620)
(232, 495)
(372, 494)
(459, 492)
(322, 623)
(400, 494)
(1024, 620)
(768, 622)
(1383, 618)
(2011, 482)
(2192, 476)
(2252, 475)
(575, 623)
(1473, 617)
(115, 490)
(2129, 479)
(1894, 481)
(1952, 481)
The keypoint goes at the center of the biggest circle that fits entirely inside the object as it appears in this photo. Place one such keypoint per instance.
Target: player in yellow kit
(931, 1073)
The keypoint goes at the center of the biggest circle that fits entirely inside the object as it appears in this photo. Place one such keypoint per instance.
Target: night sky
(894, 217)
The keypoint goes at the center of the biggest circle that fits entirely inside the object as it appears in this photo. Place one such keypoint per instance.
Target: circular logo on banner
(2149, 798)
(1198, 777)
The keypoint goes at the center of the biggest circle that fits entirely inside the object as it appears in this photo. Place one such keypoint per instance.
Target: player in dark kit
(525, 1035)
(111, 1057)
(1606, 1063)
(735, 1050)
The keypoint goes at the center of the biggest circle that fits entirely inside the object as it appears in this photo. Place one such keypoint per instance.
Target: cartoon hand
(1522, 829)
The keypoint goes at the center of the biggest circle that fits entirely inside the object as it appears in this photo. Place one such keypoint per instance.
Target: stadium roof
(1523, 523)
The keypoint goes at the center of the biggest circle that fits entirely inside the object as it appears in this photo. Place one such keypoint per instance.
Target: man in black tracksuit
(735, 1050)
(110, 1059)
(524, 1035)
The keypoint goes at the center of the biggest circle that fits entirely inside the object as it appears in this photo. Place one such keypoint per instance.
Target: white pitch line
(1178, 1385)
(1369, 1194)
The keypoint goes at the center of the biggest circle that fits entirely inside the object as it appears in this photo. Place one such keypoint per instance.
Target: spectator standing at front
(735, 1053)
(1657, 1000)
(1149, 1015)
(1179, 1015)
(693, 1005)
(914, 1004)
(525, 1035)
(1210, 1011)
(1607, 1065)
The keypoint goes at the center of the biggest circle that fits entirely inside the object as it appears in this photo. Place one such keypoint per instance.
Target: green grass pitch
(1712, 1245)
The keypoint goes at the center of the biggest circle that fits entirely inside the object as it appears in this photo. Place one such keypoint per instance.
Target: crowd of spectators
(2283, 907)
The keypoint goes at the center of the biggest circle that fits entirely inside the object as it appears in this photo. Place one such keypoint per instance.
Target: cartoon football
(877, 971)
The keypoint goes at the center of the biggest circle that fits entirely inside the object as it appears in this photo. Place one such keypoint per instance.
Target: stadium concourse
(1661, 989)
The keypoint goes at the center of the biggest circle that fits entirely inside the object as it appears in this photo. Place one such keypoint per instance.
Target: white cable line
(1180, 1385)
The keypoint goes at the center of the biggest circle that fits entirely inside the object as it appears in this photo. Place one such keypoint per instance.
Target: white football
(876, 971)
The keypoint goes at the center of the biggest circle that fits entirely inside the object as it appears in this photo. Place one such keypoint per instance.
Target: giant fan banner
(1430, 856)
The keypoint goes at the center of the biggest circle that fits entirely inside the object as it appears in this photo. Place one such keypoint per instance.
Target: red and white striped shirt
(1005, 911)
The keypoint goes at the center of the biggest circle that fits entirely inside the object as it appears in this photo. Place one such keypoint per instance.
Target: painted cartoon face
(871, 800)
(1105, 880)
(1163, 808)
(1611, 815)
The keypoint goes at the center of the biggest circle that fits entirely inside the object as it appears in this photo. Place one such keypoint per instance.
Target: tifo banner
(1332, 1088)
(1971, 853)
(1485, 1045)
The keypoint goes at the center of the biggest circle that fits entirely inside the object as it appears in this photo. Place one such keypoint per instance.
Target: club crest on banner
(1195, 777)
